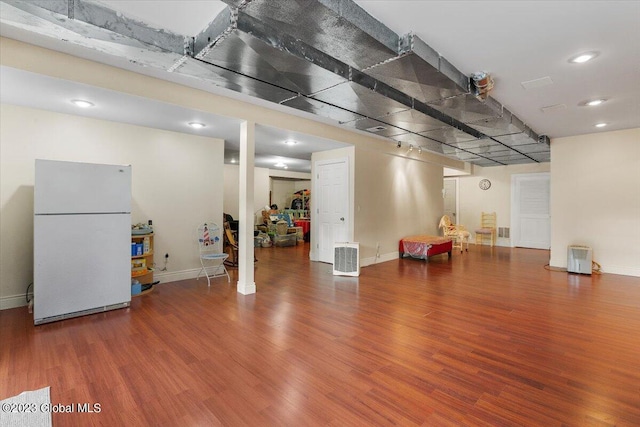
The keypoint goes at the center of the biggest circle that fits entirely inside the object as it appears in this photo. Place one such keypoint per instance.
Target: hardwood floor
(488, 338)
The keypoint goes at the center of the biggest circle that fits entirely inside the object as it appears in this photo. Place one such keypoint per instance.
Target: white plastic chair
(211, 256)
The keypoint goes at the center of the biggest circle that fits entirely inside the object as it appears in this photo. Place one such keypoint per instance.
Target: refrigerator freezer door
(70, 188)
(81, 262)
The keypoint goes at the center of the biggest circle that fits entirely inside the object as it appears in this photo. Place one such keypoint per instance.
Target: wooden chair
(458, 233)
(266, 217)
(487, 228)
(230, 246)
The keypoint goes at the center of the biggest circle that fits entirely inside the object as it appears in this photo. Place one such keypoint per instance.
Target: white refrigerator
(82, 239)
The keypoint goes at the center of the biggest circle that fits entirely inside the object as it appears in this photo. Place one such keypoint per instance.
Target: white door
(451, 199)
(332, 206)
(531, 222)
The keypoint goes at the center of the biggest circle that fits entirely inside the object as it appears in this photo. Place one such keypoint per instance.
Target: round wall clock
(485, 184)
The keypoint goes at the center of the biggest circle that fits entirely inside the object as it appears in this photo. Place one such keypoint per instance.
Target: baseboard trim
(13, 301)
(365, 262)
(621, 270)
(246, 288)
(174, 276)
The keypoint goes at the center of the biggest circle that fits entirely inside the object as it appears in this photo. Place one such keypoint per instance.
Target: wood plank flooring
(487, 338)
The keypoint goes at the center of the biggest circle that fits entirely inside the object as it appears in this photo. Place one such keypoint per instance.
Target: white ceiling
(516, 41)
(28, 89)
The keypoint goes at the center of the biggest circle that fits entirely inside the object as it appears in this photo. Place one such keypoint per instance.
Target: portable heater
(579, 259)
(346, 259)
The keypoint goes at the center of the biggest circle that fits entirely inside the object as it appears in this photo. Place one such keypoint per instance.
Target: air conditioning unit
(346, 259)
(579, 259)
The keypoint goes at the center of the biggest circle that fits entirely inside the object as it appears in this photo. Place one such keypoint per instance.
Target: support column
(246, 279)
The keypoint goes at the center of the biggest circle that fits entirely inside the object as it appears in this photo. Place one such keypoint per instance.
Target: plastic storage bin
(285, 240)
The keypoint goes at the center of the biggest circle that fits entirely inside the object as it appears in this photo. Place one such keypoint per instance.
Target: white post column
(246, 279)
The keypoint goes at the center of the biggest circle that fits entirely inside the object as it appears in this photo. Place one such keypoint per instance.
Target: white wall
(231, 192)
(474, 200)
(391, 197)
(263, 184)
(173, 184)
(302, 185)
(394, 197)
(595, 199)
(282, 190)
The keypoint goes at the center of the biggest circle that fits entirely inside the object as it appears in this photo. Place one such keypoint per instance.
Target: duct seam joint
(234, 16)
(289, 99)
(189, 46)
(386, 61)
(205, 51)
(405, 43)
(178, 64)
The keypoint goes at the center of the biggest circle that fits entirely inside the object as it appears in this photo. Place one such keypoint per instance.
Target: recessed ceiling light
(233, 160)
(601, 125)
(82, 103)
(594, 102)
(280, 165)
(583, 57)
(197, 125)
(291, 142)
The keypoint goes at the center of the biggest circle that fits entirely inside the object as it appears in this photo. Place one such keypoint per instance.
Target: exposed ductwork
(326, 57)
